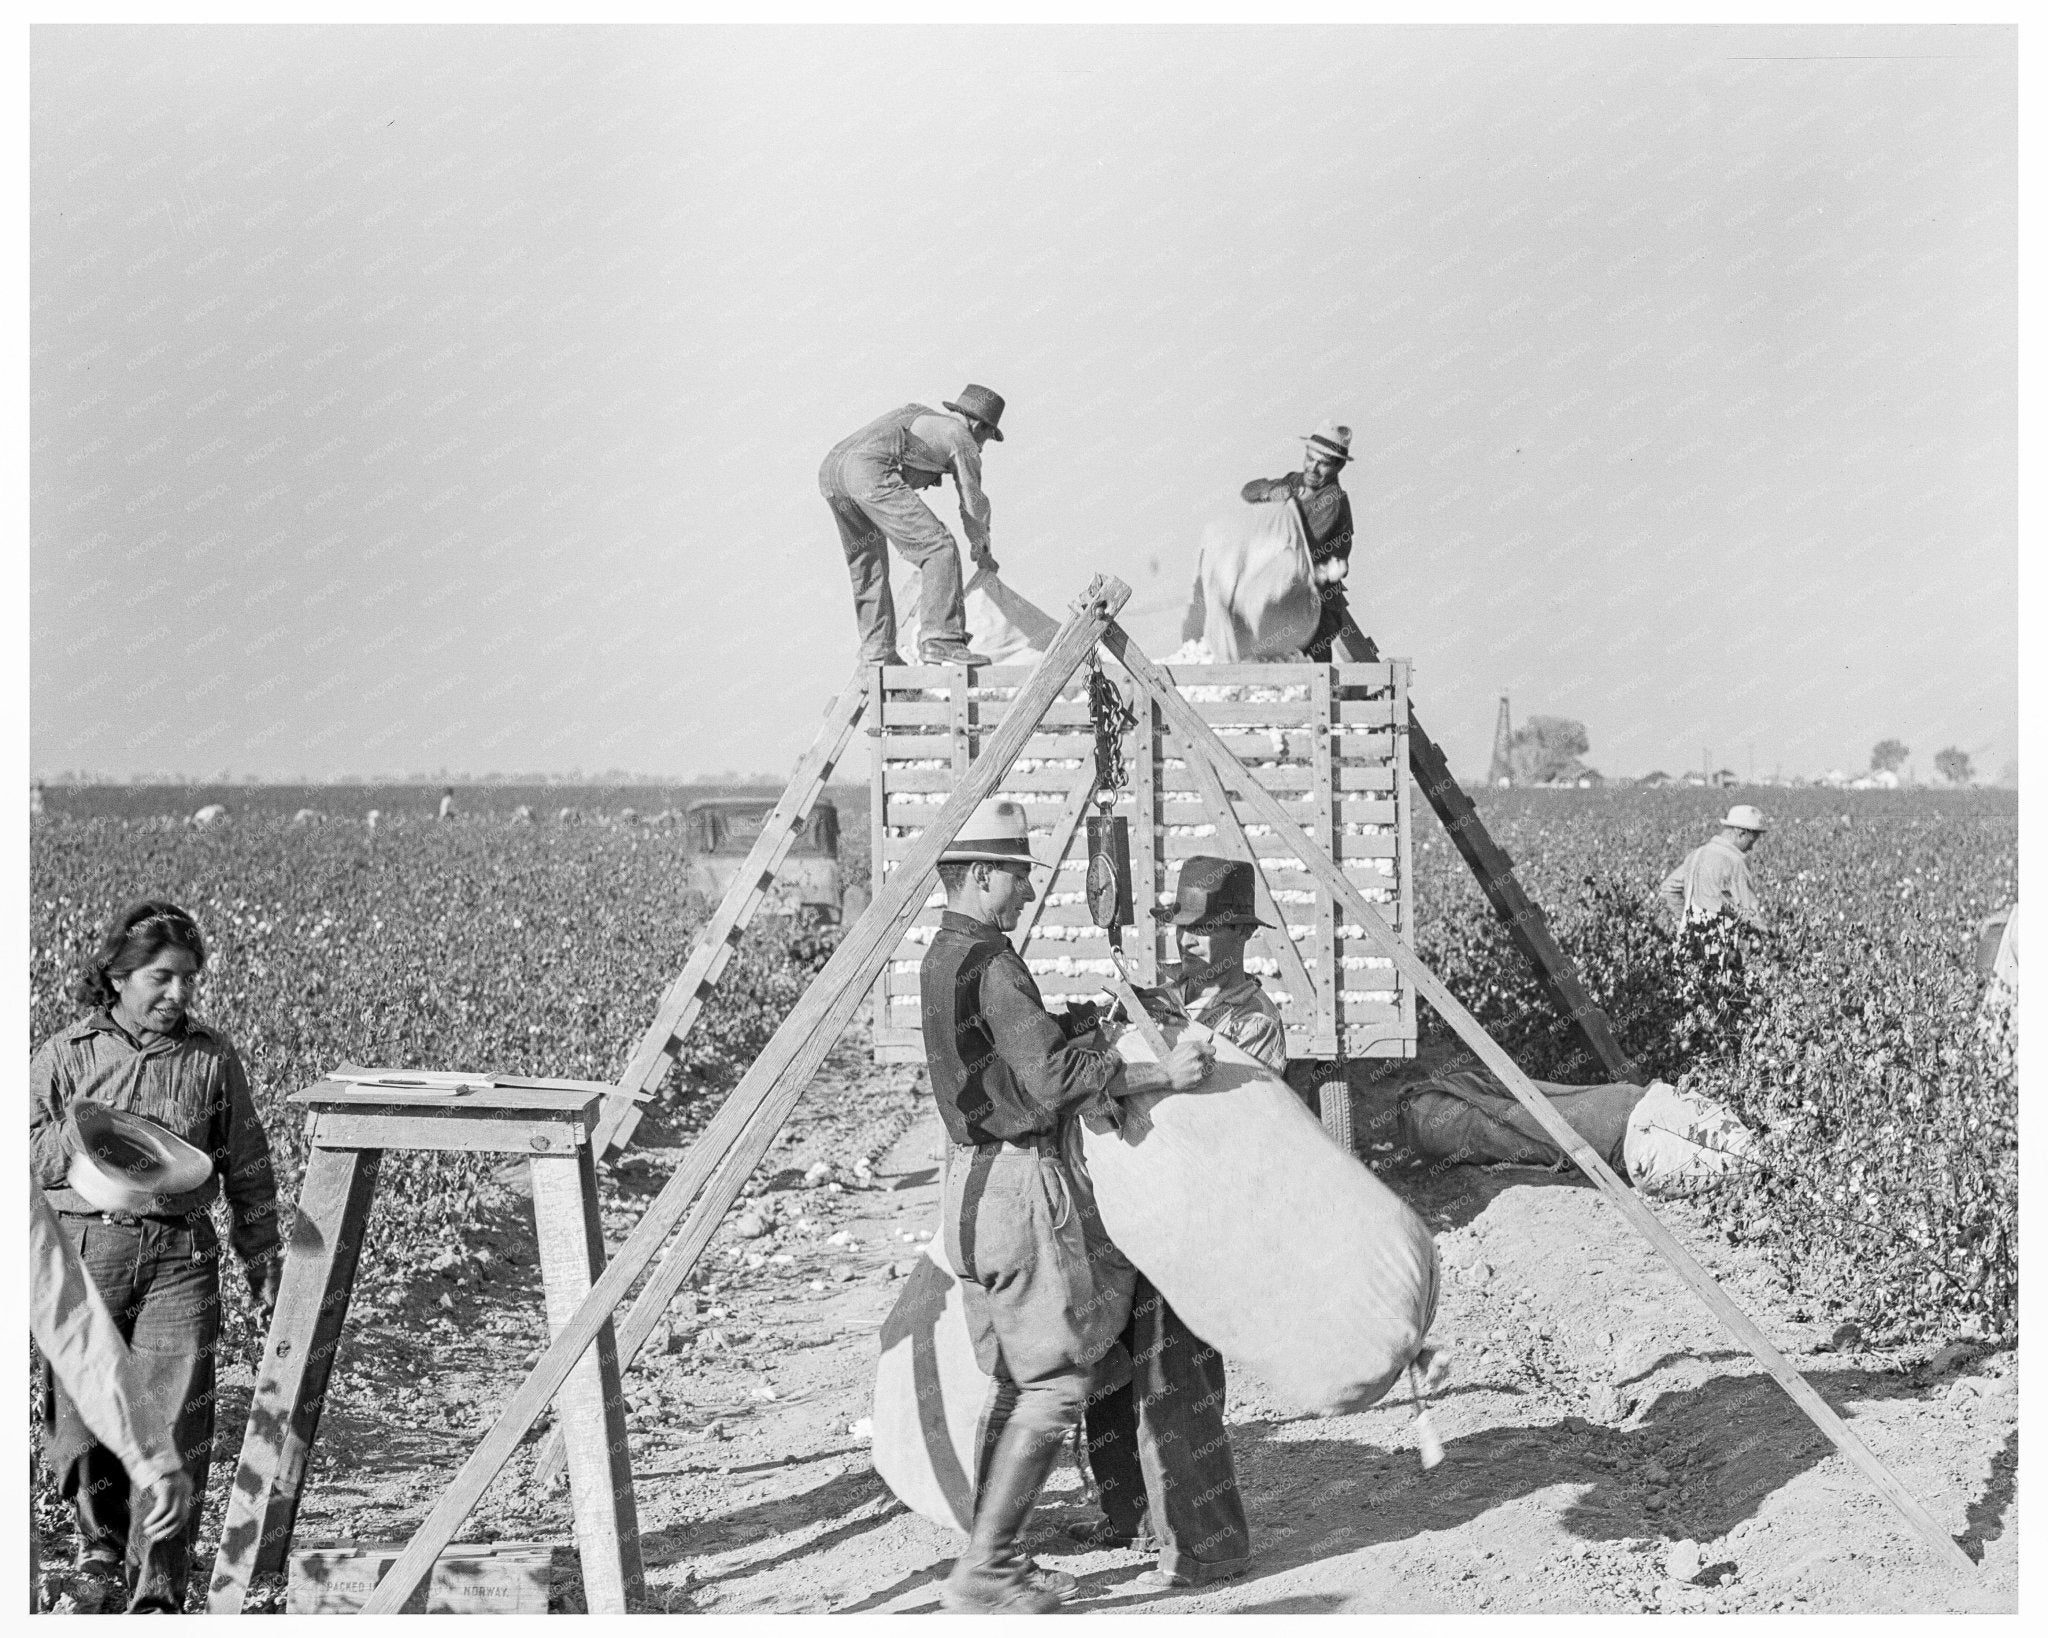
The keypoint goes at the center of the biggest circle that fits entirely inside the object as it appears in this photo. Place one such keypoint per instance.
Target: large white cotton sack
(1001, 622)
(936, 1405)
(1678, 1142)
(1277, 1248)
(1255, 595)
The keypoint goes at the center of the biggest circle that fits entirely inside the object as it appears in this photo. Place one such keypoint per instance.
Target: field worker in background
(139, 1049)
(1326, 516)
(1158, 1445)
(868, 480)
(1715, 875)
(447, 809)
(1020, 1229)
(83, 1350)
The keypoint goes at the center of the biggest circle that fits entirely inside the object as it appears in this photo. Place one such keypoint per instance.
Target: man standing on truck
(1020, 1229)
(1326, 518)
(1715, 875)
(869, 479)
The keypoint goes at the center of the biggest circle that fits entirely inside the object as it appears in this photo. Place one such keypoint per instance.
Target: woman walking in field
(138, 1049)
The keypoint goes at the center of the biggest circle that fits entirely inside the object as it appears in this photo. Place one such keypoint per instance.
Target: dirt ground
(1607, 1447)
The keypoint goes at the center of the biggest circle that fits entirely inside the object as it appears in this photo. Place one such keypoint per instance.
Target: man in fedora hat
(1052, 1293)
(1715, 876)
(1157, 1444)
(1326, 518)
(1213, 914)
(867, 480)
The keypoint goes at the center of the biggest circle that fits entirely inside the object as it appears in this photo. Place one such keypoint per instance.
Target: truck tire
(1333, 1100)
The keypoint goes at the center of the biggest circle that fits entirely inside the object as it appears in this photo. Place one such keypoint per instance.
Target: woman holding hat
(143, 1228)
(1325, 516)
(1019, 1229)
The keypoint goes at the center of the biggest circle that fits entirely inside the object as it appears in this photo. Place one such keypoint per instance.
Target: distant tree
(1657, 776)
(1887, 754)
(1954, 766)
(1548, 748)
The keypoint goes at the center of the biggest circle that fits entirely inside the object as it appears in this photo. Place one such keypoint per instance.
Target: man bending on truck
(870, 479)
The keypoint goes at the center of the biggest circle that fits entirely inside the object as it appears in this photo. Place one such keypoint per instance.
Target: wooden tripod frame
(739, 1135)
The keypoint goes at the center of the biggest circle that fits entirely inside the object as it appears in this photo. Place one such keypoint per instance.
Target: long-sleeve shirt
(191, 1082)
(71, 1325)
(946, 437)
(1715, 874)
(1326, 512)
(1244, 1014)
(1002, 1069)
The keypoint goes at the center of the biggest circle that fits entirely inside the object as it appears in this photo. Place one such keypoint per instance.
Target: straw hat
(1744, 817)
(123, 1161)
(996, 832)
(1330, 441)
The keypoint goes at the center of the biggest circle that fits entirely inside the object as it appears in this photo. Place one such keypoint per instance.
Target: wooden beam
(291, 1385)
(761, 1102)
(714, 947)
(1072, 811)
(1200, 738)
(1495, 873)
(1232, 843)
(590, 1407)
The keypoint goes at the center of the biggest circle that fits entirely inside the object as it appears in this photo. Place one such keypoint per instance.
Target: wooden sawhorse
(349, 1128)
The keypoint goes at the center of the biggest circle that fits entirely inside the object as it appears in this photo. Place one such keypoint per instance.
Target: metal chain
(1112, 717)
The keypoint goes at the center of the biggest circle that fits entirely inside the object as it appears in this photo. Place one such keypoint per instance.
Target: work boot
(1106, 1532)
(950, 654)
(99, 1586)
(993, 1577)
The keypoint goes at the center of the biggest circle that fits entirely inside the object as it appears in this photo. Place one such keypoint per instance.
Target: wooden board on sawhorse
(349, 1129)
(1495, 873)
(685, 998)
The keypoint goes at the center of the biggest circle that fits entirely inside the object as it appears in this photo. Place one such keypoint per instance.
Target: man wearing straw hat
(1326, 518)
(1051, 1293)
(869, 481)
(1715, 875)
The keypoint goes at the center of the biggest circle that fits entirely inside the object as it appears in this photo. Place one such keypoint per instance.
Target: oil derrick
(1503, 770)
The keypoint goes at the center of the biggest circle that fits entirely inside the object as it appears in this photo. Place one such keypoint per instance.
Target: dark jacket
(1002, 1069)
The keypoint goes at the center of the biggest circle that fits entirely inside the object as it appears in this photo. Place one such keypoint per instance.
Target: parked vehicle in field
(722, 832)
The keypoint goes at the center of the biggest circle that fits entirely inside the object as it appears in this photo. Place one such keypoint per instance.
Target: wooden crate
(1329, 740)
(496, 1578)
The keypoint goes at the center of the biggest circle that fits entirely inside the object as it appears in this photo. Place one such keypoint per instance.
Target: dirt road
(1607, 1448)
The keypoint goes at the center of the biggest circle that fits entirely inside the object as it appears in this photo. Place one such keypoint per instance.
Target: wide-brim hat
(122, 1161)
(1744, 817)
(985, 406)
(996, 832)
(1330, 441)
(1215, 893)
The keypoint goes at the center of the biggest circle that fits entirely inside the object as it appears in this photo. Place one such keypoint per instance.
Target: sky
(421, 399)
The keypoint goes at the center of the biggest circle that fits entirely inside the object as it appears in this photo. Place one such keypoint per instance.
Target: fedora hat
(1330, 441)
(1744, 817)
(122, 1161)
(985, 406)
(1215, 893)
(995, 832)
